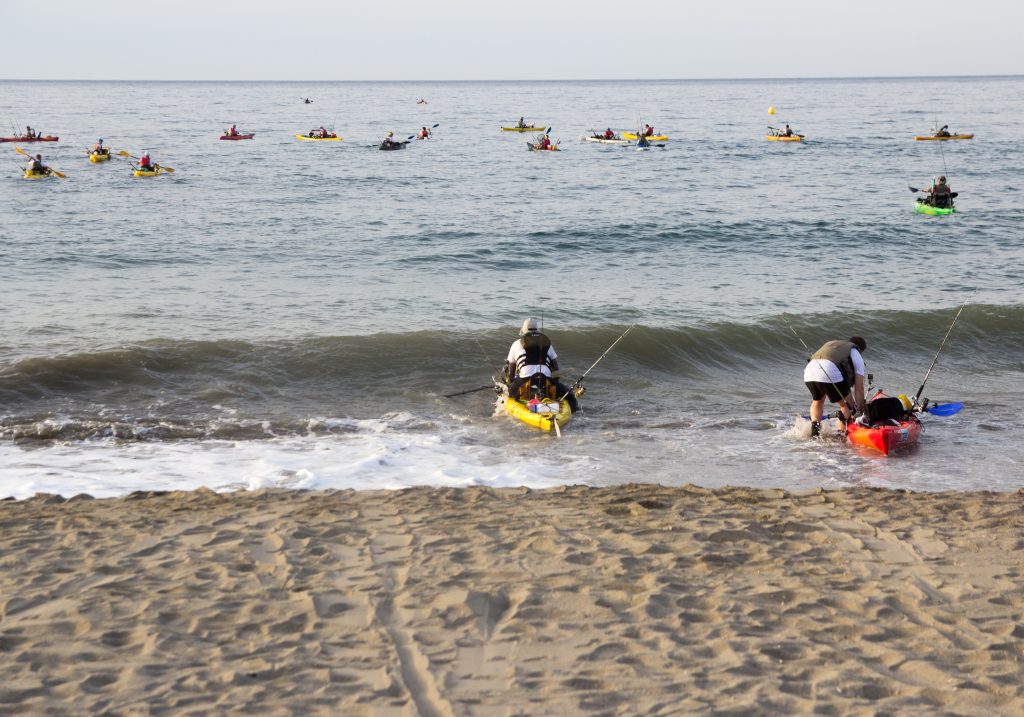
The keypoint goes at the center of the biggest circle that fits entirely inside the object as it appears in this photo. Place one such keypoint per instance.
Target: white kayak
(602, 140)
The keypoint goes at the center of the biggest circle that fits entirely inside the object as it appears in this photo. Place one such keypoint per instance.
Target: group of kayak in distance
(142, 166)
(938, 199)
(530, 390)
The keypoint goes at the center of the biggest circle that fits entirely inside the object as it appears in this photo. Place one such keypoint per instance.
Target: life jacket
(145, 162)
(536, 347)
(545, 143)
(649, 132)
(838, 352)
(608, 134)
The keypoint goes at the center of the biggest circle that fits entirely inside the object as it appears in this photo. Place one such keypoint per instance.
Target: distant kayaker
(608, 134)
(145, 163)
(424, 133)
(532, 353)
(787, 132)
(648, 131)
(545, 142)
(940, 194)
(36, 166)
(322, 132)
(944, 132)
(29, 133)
(233, 132)
(643, 141)
(308, 101)
(421, 101)
(830, 373)
(522, 123)
(98, 148)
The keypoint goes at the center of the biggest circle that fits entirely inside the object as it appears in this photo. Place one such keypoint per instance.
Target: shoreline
(636, 599)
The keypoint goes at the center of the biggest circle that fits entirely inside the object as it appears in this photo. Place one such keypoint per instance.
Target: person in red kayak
(29, 133)
(830, 373)
(608, 134)
(545, 142)
(233, 132)
(648, 131)
(145, 163)
(424, 133)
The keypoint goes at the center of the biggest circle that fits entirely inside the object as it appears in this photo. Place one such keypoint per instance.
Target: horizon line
(550, 81)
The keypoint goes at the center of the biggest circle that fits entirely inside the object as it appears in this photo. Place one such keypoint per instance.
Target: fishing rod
(928, 373)
(577, 382)
(489, 361)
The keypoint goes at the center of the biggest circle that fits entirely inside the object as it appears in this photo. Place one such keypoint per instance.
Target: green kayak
(923, 208)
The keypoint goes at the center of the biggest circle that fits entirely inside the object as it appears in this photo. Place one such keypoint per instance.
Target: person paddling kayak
(145, 162)
(98, 148)
(940, 195)
(944, 132)
(545, 143)
(532, 354)
(830, 373)
(648, 131)
(424, 133)
(35, 165)
(233, 132)
(608, 134)
(521, 124)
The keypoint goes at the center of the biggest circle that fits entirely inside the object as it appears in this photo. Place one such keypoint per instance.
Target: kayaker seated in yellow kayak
(944, 132)
(532, 354)
(98, 148)
(830, 373)
(648, 131)
(145, 163)
(319, 132)
(940, 194)
(35, 165)
(522, 123)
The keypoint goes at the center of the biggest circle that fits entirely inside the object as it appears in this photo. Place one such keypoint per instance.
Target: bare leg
(816, 409)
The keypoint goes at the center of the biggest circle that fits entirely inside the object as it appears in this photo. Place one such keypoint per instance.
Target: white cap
(529, 325)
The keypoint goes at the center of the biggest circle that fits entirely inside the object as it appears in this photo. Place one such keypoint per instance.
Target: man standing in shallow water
(831, 372)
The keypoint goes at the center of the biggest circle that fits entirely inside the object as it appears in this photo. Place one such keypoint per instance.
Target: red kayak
(885, 426)
(238, 136)
(47, 138)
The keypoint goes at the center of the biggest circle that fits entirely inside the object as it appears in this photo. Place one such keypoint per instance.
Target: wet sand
(576, 601)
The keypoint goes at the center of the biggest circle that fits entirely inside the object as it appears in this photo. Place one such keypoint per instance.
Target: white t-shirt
(824, 371)
(517, 354)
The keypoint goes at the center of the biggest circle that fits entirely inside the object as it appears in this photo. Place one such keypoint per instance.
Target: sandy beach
(575, 601)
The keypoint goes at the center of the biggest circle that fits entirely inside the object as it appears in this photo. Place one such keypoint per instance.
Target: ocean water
(283, 313)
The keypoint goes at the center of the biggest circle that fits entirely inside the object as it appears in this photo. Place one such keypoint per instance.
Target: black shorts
(835, 392)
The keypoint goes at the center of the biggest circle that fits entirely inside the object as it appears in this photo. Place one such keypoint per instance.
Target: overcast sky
(484, 39)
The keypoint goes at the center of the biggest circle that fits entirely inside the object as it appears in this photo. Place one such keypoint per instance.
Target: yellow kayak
(952, 136)
(29, 174)
(148, 172)
(781, 138)
(304, 138)
(654, 138)
(523, 129)
(94, 158)
(540, 414)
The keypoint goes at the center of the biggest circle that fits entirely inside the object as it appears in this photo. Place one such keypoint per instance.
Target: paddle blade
(946, 409)
(122, 153)
(913, 189)
(19, 150)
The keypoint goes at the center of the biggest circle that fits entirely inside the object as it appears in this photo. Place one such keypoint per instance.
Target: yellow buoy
(771, 110)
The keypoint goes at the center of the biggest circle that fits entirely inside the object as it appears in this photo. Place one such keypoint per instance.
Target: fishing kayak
(47, 138)
(932, 137)
(652, 138)
(238, 136)
(928, 209)
(29, 174)
(148, 172)
(392, 146)
(889, 434)
(304, 138)
(536, 148)
(782, 138)
(96, 158)
(602, 140)
(523, 129)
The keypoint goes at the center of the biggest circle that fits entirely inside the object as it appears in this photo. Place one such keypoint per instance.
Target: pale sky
(482, 39)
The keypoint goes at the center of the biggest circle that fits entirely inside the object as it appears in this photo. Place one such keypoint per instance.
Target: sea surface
(284, 313)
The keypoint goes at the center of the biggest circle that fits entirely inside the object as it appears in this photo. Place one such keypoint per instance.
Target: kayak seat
(883, 409)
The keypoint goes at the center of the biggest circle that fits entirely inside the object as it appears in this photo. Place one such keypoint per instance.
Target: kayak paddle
(169, 170)
(945, 409)
(51, 170)
(432, 127)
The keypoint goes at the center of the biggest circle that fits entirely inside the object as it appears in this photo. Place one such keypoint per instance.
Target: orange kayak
(898, 431)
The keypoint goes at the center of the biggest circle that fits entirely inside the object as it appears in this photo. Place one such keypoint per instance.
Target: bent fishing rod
(600, 358)
(928, 373)
(486, 356)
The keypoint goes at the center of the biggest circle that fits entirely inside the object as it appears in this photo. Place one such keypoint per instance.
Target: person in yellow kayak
(146, 163)
(648, 131)
(532, 354)
(35, 165)
(98, 148)
(521, 124)
(786, 132)
(835, 371)
(940, 194)
(944, 132)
